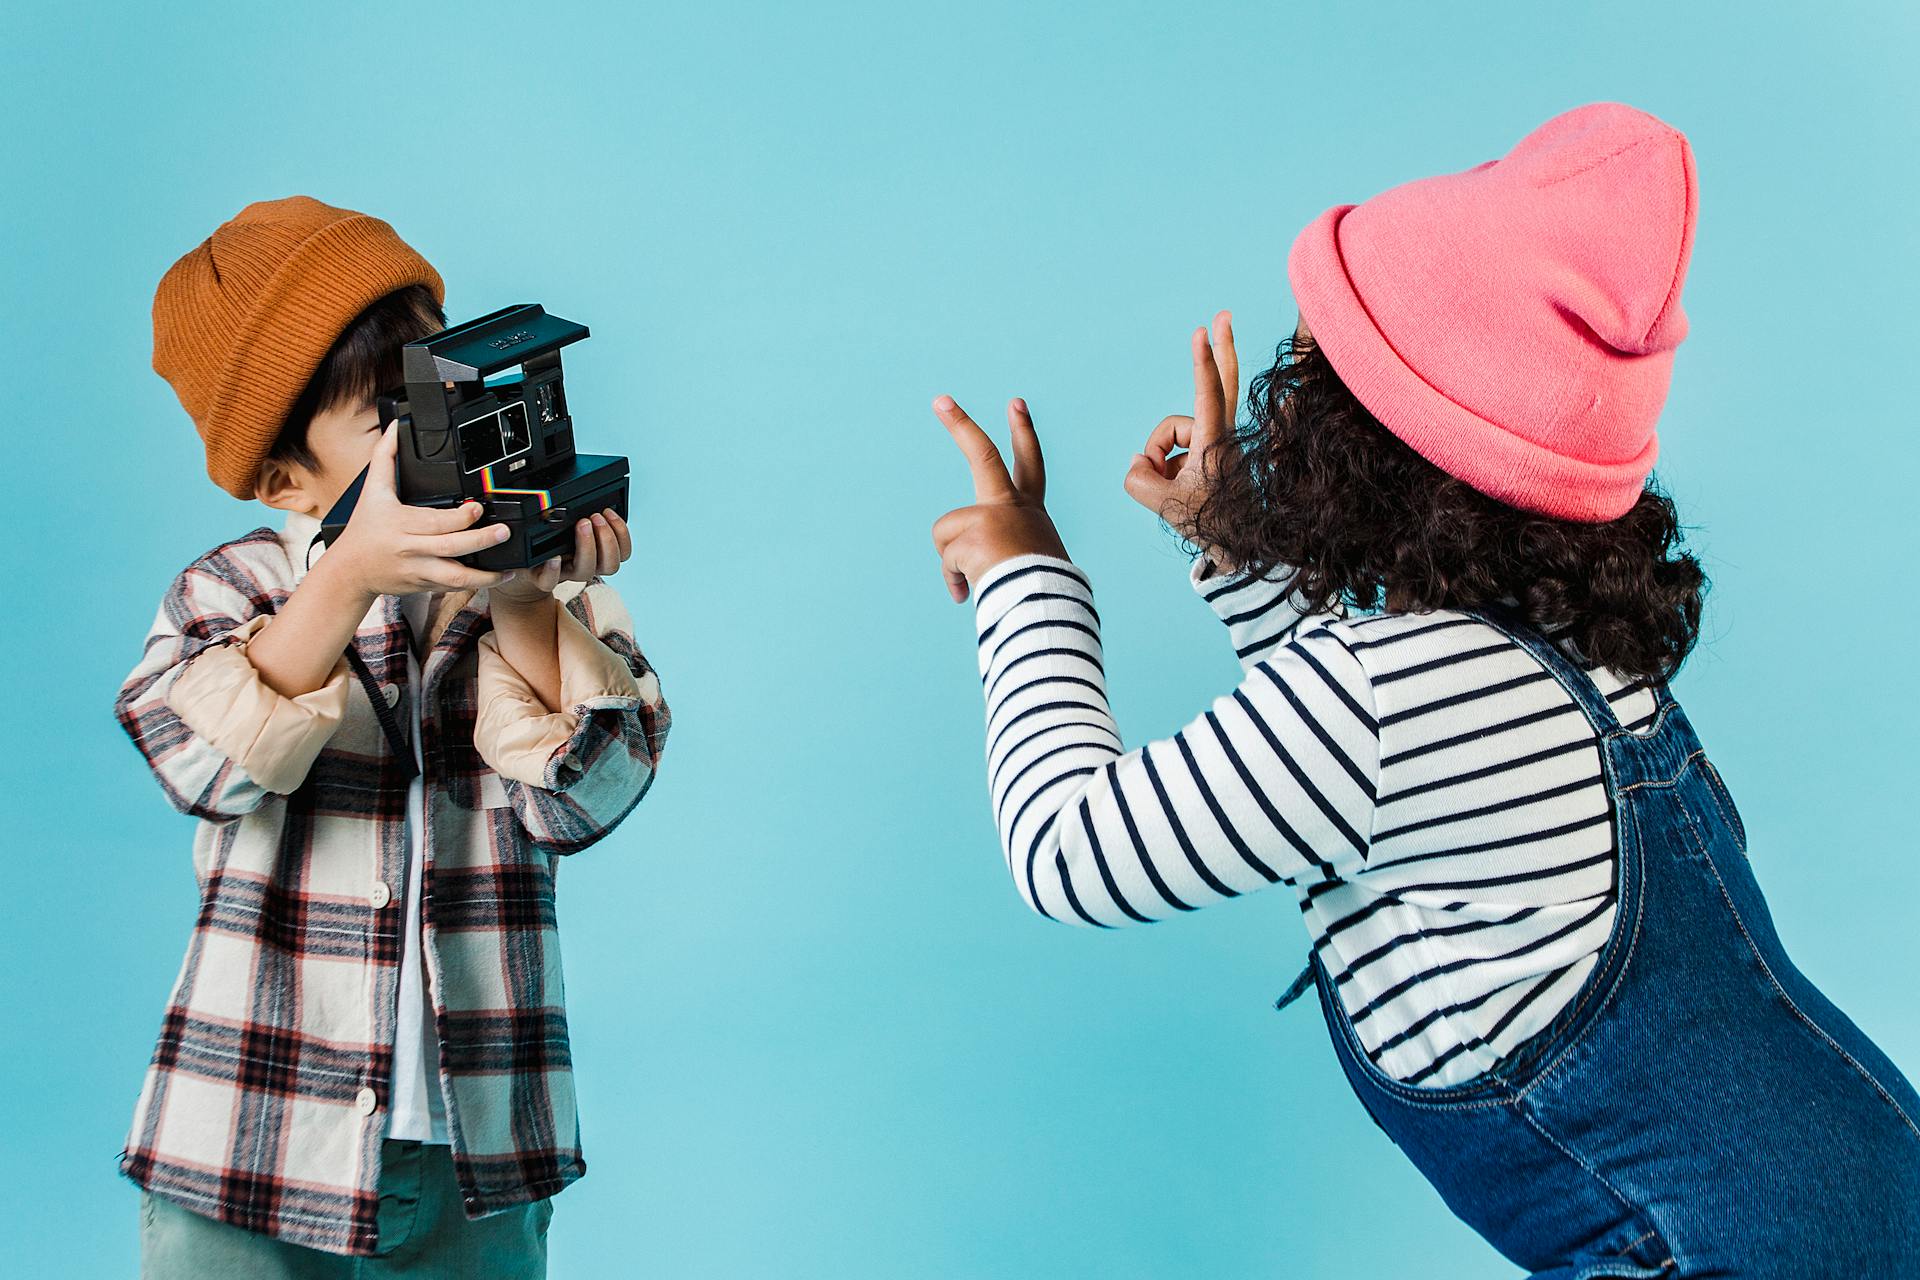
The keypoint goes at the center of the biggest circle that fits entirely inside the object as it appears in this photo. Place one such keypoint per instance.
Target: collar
(296, 534)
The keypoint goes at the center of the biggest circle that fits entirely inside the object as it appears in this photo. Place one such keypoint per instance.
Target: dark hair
(1315, 485)
(362, 362)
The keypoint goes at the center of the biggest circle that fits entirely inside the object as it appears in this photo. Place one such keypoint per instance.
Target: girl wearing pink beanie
(1548, 970)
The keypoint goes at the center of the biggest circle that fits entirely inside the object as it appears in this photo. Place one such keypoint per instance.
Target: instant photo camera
(506, 441)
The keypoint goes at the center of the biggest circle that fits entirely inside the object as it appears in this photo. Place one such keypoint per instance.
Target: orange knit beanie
(241, 323)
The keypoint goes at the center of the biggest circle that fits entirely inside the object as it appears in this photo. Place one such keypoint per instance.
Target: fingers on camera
(462, 541)
(432, 520)
(606, 542)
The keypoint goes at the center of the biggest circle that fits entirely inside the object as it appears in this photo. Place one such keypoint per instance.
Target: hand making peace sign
(1009, 517)
(1173, 485)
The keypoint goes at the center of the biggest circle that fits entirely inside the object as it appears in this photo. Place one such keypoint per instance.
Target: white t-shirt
(418, 1111)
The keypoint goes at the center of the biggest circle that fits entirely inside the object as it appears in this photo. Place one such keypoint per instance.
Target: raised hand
(390, 547)
(1009, 516)
(1173, 485)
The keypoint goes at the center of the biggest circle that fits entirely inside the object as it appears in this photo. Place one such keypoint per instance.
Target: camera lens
(513, 430)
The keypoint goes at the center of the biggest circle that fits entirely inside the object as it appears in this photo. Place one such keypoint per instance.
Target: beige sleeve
(273, 738)
(514, 733)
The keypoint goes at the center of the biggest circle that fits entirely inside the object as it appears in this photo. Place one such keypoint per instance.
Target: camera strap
(389, 722)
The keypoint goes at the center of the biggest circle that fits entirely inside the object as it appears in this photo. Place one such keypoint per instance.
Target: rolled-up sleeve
(218, 738)
(572, 775)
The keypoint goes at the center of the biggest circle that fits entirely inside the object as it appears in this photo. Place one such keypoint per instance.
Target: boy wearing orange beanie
(364, 1061)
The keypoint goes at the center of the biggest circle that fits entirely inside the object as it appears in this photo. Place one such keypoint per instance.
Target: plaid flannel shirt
(265, 1102)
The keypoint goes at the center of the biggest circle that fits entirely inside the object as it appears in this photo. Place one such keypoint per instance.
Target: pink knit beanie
(1515, 323)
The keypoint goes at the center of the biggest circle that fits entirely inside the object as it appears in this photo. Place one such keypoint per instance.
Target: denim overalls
(1699, 1108)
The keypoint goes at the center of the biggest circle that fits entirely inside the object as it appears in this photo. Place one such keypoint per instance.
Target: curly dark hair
(1313, 485)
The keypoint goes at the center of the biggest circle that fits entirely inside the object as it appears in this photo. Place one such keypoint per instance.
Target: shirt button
(364, 1102)
(391, 692)
(572, 761)
(381, 895)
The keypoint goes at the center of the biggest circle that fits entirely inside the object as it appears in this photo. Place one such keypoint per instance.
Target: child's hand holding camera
(390, 548)
(600, 545)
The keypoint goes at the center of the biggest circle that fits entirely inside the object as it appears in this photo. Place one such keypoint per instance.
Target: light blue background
(816, 1033)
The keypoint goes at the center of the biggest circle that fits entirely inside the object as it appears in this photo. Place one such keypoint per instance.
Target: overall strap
(1301, 982)
(1579, 685)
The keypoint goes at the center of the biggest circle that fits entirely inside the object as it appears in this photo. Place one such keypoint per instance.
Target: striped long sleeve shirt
(1432, 796)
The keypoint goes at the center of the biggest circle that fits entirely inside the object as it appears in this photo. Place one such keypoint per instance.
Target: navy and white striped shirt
(1433, 797)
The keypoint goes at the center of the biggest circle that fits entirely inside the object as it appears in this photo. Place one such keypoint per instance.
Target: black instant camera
(506, 442)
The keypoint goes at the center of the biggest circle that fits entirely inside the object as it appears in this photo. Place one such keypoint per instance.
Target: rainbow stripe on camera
(487, 486)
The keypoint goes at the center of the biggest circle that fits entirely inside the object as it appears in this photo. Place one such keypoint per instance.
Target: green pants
(423, 1233)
